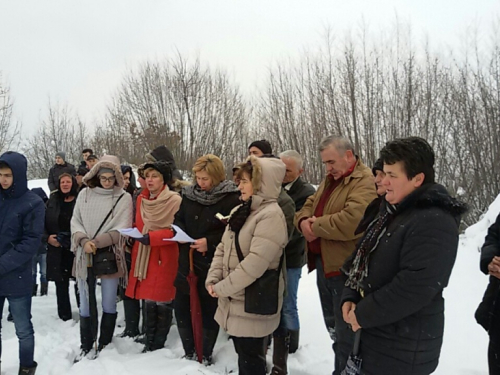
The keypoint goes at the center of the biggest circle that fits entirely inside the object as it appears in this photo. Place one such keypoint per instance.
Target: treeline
(367, 86)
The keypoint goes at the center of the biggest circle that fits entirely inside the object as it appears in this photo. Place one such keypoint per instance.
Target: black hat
(262, 145)
(164, 167)
(378, 166)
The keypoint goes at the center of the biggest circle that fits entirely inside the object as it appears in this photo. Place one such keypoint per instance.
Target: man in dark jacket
(21, 228)
(490, 265)
(394, 291)
(295, 251)
(59, 168)
(40, 258)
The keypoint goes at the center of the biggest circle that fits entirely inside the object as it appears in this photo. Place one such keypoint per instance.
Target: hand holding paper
(131, 232)
(180, 235)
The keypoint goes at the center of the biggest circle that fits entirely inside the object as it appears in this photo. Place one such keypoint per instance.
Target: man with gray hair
(328, 220)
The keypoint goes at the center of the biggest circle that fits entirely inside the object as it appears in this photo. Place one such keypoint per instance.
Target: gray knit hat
(62, 155)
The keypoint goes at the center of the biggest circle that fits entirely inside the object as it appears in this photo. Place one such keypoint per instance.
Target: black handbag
(104, 259)
(261, 297)
(485, 310)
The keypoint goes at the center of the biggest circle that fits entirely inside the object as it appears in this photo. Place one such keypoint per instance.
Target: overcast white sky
(76, 52)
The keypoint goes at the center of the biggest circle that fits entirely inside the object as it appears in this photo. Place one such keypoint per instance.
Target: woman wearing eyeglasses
(100, 210)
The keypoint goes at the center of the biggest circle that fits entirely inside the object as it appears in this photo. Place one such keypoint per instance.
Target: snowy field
(57, 342)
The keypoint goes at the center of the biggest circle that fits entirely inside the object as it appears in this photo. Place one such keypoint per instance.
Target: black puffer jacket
(198, 221)
(295, 250)
(402, 312)
(490, 249)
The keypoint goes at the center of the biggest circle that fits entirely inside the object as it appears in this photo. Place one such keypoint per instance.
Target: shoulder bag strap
(108, 215)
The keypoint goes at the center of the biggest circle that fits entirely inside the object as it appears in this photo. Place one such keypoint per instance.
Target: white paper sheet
(131, 232)
(180, 235)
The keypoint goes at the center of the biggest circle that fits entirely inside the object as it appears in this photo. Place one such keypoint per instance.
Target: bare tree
(9, 130)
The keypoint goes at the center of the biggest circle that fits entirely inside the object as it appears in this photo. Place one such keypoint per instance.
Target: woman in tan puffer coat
(260, 226)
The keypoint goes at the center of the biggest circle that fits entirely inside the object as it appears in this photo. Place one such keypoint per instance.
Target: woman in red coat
(154, 261)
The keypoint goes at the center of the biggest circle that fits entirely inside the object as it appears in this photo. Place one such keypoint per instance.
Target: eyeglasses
(107, 179)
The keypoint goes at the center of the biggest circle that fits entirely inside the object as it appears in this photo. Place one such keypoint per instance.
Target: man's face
(255, 151)
(6, 178)
(59, 160)
(397, 184)
(91, 163)
(335, 163)
(292, 170)
(86, 155)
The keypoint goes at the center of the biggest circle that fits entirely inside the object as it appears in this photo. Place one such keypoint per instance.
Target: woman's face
(204, 180)
(379, 176)
(65, 184)
(397, 184)
(154, 181)
(126, 180)
(245, 186)
(107, 180)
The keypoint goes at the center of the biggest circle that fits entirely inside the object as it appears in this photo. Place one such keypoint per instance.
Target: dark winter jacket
(288, 207)
(295, 251)
(163, 153)
(42, 249)
(21, 227)
(58, 170)
(402, 311)
(57, 221)
(490, 249)
(199, 221)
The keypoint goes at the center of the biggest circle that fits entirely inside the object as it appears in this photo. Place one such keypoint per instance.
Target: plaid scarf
(374, 232)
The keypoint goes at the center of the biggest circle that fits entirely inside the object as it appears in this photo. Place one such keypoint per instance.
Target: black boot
(86, 338)
(35, 290)
(163, 323)
(151, 313)
(108, 322)
(280, 355)
(132, 310)
(294, 341)
(77, 295)
(28, 370)
(187, 339)
(43, 289)
(209, 339)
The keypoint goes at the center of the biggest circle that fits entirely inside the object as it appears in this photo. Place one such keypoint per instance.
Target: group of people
(383, 242)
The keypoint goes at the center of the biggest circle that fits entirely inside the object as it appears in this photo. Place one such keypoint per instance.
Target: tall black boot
(187, 339)
(86, 338)
(163, 323)
(132, 310)
(108, 322)
(44, 288)
(280, 355)
(28, 370)
(209, 339)
(77, 295)
(35, 290)
(151, 313)
(294, 341)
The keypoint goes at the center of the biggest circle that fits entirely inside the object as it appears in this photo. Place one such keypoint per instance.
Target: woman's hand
(89, 247)
(200, 245)
(351, 316)
(210, 289)
(53, 241)
(494, 267)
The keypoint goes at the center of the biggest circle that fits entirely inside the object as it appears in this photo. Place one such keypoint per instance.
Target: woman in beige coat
(260, 226)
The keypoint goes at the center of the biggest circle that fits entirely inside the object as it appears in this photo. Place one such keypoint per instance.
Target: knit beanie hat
(164, 167)
(105, 170)
(262, 145)
(378, 166)
(62, 155)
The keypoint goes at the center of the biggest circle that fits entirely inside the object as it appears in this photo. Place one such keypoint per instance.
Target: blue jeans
(109, 288)
(330, 294)
(290, 314)
(42, 261)
(20, 308)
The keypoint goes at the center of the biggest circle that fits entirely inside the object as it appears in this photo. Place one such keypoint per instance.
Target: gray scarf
(208, 198)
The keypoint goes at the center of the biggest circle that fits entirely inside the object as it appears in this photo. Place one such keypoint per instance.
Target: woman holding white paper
(209, 195)
(154, 261)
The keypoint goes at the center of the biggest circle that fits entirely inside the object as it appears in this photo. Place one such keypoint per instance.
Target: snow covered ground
(57, 342)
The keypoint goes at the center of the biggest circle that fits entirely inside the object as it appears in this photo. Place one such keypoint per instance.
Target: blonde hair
(146, 171)
(213, 166)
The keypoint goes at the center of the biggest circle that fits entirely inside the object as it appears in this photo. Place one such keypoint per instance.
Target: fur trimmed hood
(107, 161)
(267, 176)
